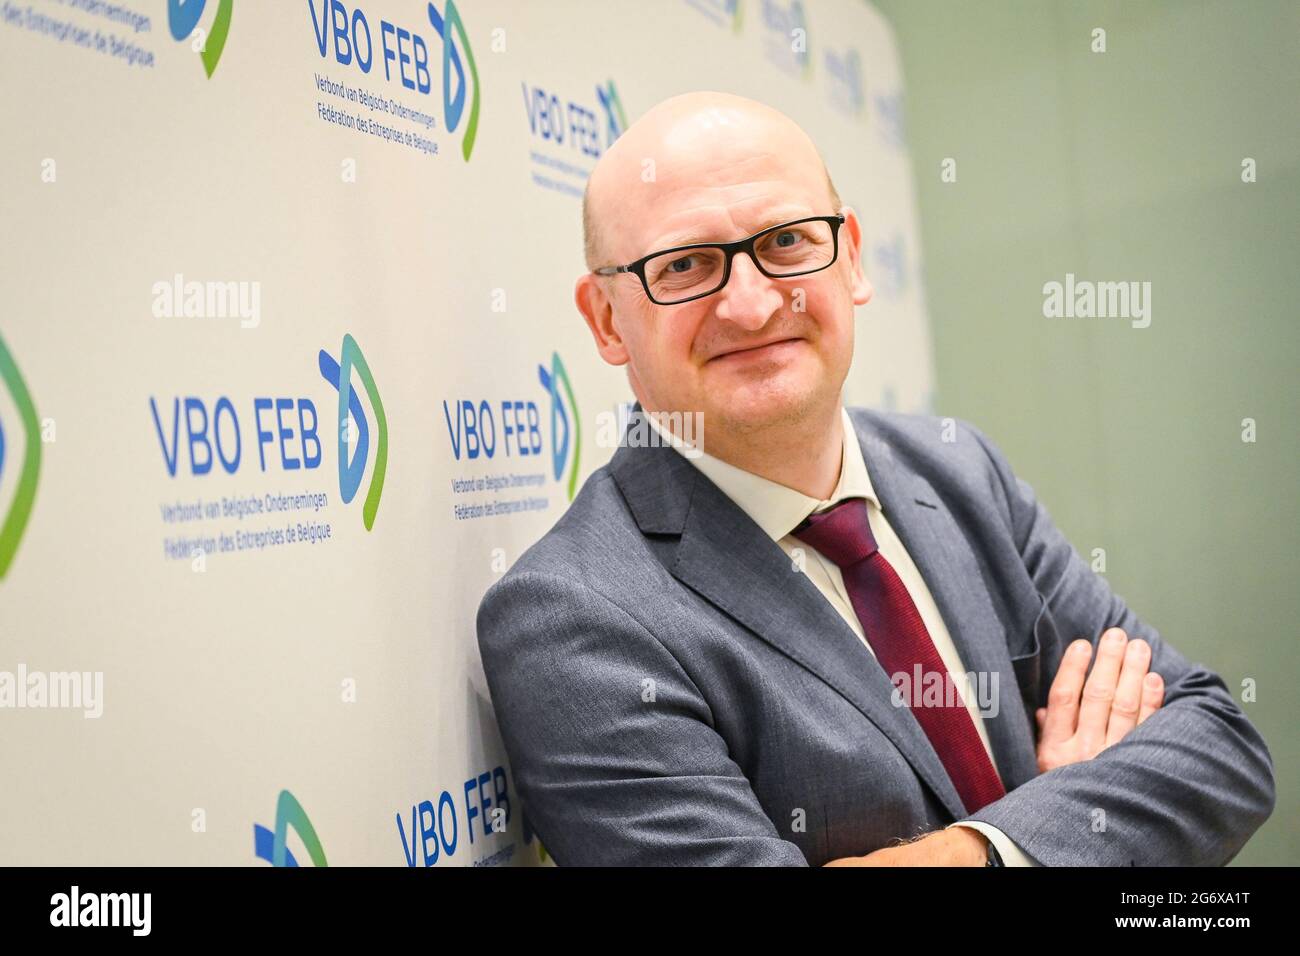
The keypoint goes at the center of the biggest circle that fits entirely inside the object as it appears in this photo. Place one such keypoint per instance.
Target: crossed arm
(1086, 712)
(1186, 784)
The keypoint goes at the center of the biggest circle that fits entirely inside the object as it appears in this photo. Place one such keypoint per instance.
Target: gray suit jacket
(671, 691)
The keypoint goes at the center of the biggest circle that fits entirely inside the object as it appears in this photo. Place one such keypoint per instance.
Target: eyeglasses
(682, 273)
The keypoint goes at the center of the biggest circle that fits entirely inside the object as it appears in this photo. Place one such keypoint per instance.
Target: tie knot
(842, 532)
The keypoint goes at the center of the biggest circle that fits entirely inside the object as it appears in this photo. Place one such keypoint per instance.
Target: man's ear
(851, 238)
(590, 296)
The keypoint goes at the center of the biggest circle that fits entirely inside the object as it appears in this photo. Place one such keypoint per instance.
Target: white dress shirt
(778, 510)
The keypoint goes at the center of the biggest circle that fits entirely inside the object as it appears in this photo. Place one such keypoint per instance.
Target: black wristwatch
(994, 857)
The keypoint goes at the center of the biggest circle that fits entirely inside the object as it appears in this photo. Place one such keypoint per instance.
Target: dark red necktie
(896, 633)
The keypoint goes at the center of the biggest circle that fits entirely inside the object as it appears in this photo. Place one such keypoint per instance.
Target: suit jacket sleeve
(1188, 786)
(611, 744)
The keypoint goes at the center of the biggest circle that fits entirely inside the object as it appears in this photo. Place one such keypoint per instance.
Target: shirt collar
(776, 509)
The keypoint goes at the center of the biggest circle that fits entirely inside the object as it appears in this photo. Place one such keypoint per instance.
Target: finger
(1063, 697)
(1099, 692)
(1153, 695)
(1126, 706)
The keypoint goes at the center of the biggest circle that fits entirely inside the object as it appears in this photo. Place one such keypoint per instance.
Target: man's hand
(1081, 718)
(1085, 714)
(958, 846)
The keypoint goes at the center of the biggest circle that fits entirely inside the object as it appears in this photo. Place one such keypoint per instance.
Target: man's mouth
(761, 350)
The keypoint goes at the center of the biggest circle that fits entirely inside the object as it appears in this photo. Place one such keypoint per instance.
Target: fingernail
(1153, 680)
(1080, 648)
(1116, 638)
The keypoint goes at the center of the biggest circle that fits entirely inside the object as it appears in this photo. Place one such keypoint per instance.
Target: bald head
(690, 151)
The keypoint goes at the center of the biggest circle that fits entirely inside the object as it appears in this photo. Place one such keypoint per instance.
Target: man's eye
(792, 235)
(685, 263)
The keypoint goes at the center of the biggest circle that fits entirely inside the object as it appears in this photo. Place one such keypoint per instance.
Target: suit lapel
(727, 559)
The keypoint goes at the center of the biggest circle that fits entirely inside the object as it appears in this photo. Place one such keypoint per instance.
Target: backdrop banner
(291, 372)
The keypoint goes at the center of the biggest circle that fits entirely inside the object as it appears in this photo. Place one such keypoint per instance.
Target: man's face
(760, 351)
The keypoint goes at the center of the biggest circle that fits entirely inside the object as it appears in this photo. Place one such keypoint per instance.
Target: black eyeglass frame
(730, 250)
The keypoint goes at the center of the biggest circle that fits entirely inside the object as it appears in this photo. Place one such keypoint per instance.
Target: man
(821, 635)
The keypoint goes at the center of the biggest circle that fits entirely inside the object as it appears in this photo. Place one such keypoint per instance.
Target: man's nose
(749, 298)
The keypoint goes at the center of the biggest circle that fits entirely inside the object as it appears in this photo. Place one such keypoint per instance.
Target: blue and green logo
(454, 109)
(183, 19)
(615, 118)
(271, 845)
(352, 418)
(722, 12)
(563, 434)
(20, 509)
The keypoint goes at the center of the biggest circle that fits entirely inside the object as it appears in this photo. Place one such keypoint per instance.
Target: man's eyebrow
(687, 237)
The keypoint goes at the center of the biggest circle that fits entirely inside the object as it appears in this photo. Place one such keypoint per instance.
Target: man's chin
(763, 405)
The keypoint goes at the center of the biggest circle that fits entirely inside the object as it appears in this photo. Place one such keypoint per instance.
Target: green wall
(1126, 165)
